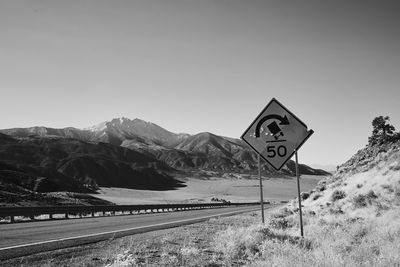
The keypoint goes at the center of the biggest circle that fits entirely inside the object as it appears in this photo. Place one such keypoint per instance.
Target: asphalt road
(42, 231)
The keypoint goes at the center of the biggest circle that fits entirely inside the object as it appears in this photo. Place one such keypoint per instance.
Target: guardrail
(84, 211)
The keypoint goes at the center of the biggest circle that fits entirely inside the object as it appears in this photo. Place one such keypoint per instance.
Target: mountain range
(119, 153)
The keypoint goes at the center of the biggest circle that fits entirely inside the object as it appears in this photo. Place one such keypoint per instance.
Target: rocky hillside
(44, 164)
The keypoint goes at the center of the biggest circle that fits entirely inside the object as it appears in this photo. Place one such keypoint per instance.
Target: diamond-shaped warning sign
(276, 134)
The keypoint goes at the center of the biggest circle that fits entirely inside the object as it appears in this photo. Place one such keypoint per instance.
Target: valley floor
(203, 190)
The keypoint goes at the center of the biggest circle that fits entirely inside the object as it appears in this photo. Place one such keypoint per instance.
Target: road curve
(28, 238)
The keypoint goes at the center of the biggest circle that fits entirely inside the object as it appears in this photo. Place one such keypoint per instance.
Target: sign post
(276, 135)
(261, 189)
(298, 194)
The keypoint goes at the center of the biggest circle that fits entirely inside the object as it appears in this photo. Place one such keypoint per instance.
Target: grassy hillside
(365, 186)
(350, 219)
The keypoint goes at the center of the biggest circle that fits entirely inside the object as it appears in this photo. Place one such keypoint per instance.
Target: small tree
(382, 131)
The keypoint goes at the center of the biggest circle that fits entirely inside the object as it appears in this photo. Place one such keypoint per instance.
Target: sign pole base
(261, 189)
(298, 194)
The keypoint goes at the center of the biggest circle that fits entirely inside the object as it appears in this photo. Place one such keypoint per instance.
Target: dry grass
(339, 241)
(191, 245)
(352, 220)
(329, 241)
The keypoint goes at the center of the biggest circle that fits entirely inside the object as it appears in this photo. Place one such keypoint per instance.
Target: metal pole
(261, 189)
(298, 194)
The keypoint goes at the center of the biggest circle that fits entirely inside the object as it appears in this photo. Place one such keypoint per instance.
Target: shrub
(316, 196)
(304, 195)
(397, 191)
(360, 201)
(380, 208)
(238, 244)
(320, 187)
(279, 223)
(338, 194)
(281, 219)
(387, 187)
(337, 210)
(284, 212)
(371, 195)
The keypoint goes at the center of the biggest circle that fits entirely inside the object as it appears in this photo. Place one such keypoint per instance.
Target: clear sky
(203, 65)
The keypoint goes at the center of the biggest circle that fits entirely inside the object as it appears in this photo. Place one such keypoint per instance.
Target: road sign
(276, 134)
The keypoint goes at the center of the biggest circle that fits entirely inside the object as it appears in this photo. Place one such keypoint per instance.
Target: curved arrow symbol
(283, 121)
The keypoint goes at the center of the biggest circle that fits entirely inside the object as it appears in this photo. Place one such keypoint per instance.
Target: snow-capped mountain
(120, 129)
